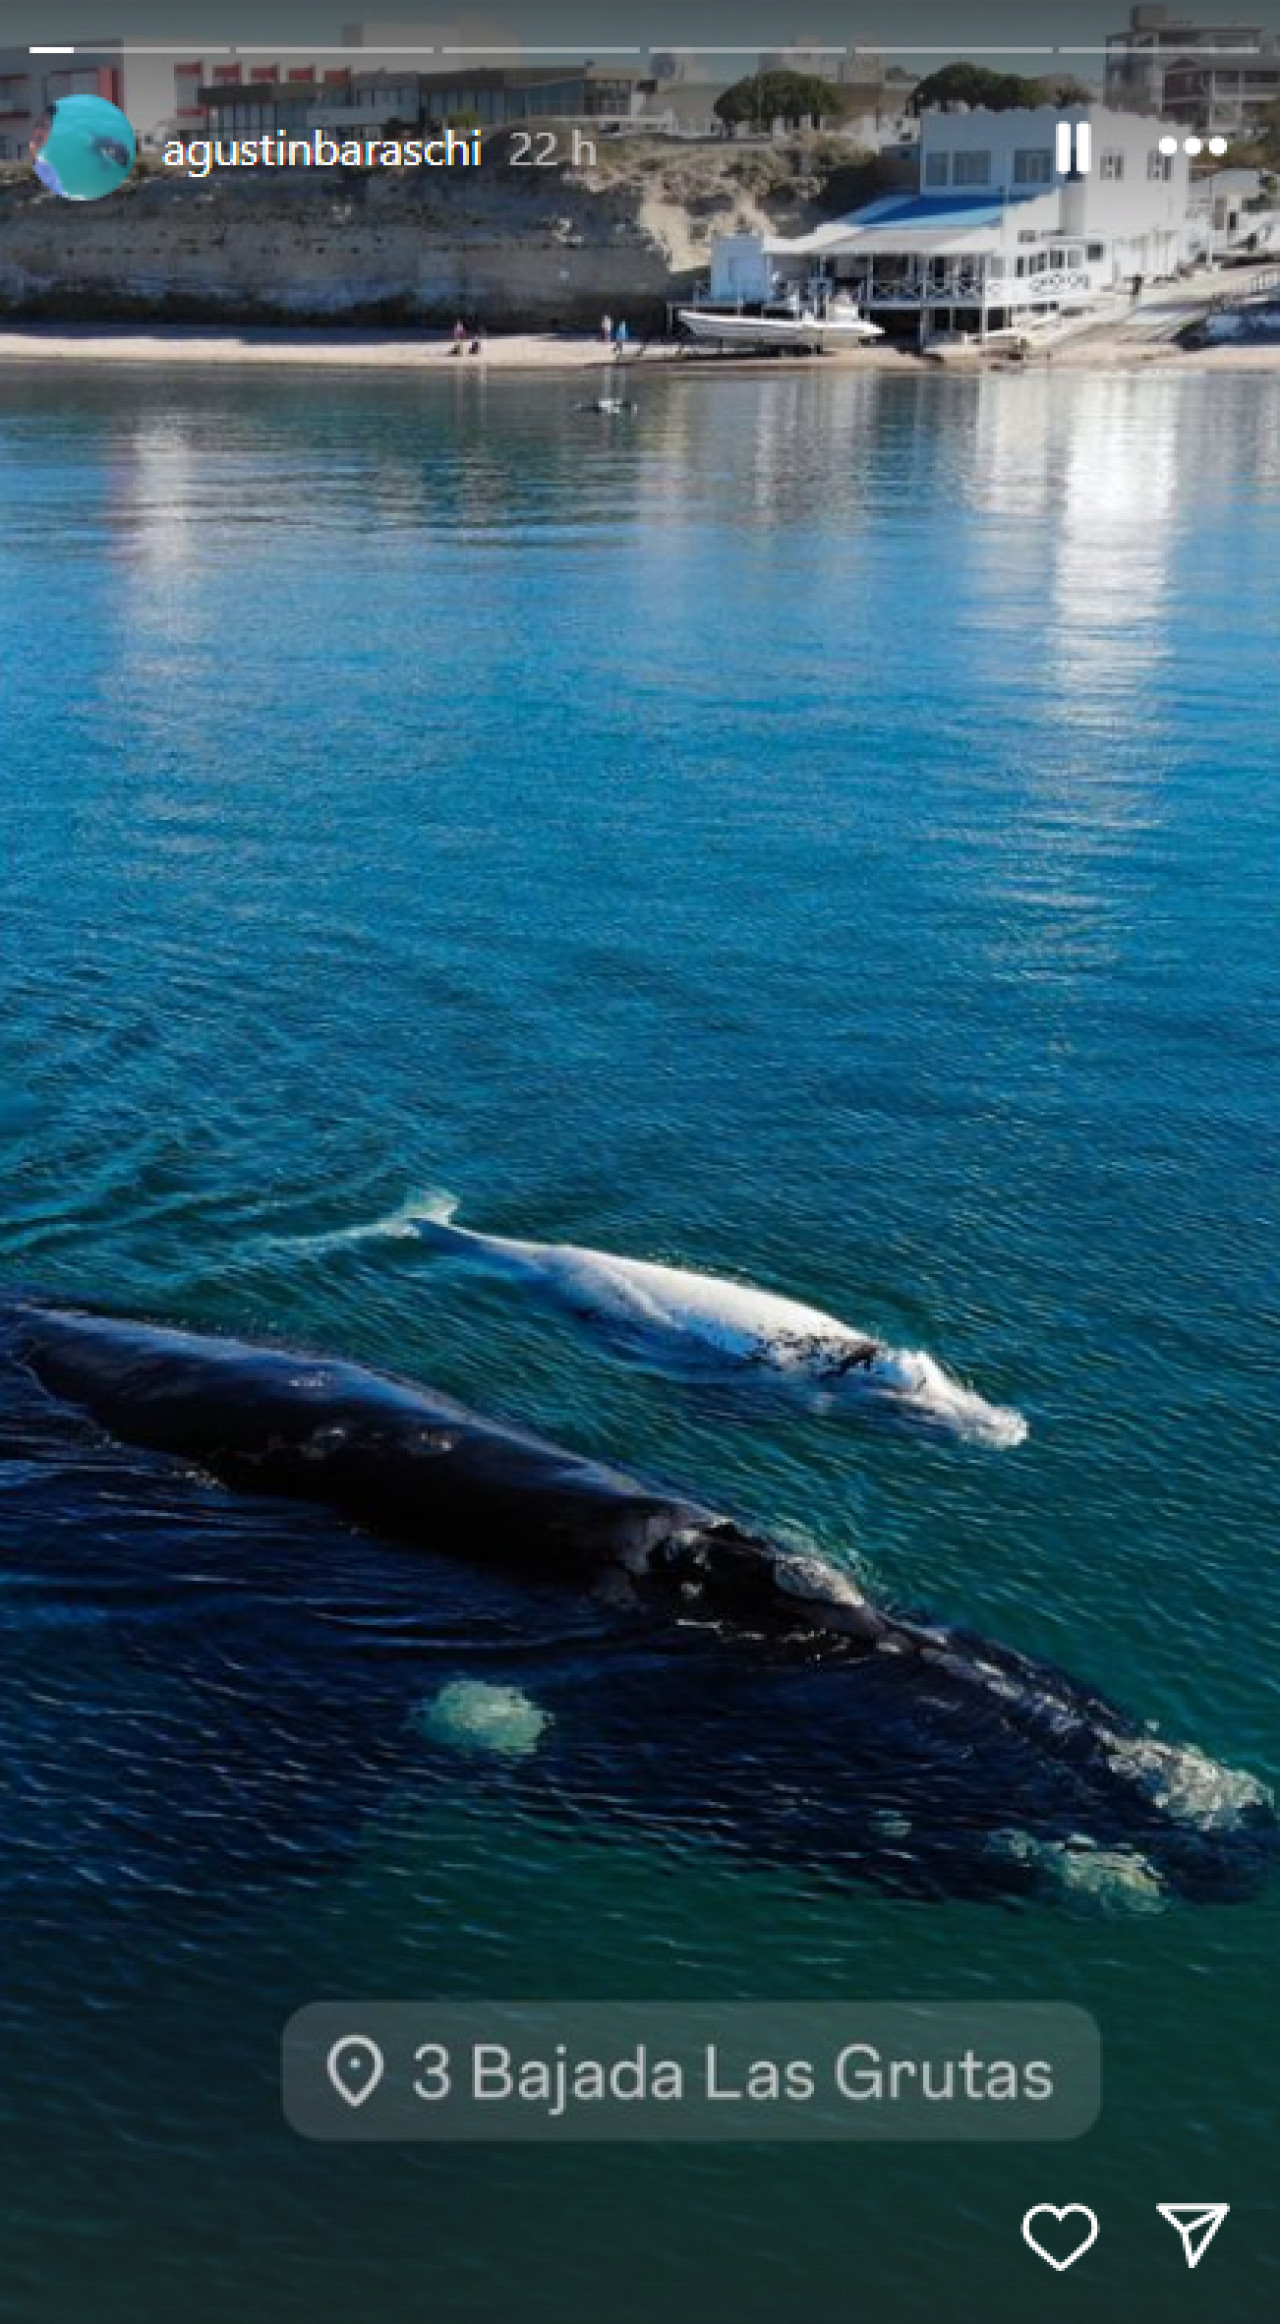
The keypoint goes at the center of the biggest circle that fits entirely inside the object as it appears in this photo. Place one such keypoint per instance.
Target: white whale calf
(679, 1312)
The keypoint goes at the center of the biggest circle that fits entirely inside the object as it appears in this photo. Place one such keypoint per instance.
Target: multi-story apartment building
(1222, 77)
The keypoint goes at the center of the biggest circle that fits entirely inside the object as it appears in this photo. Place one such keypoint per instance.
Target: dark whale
(778, 1709)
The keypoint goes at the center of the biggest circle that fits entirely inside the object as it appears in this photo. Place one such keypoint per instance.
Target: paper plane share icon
(1197, 2224)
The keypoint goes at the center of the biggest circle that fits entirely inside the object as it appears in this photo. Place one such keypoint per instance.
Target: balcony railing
(969, 287)
(1058, 282)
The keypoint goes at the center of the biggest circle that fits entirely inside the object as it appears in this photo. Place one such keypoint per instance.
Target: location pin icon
(355, 2066)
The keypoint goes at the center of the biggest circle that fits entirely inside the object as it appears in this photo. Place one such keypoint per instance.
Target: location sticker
(355, 2066)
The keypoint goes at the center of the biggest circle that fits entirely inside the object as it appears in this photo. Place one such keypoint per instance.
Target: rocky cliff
(522, 247)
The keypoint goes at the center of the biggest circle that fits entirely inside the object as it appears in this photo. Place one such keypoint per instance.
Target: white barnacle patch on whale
(473, 1715)
(1187, 1784)
(1113, 1882)
(803, 1575)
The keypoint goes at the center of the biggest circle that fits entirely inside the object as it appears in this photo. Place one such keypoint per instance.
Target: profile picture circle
(83, 148)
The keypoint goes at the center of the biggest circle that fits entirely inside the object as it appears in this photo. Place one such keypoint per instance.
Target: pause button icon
(1075, 149)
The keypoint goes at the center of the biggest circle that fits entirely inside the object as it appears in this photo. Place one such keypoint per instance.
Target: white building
(1132, 198)
(1223, 76)
(1237, 214)
(993, 237)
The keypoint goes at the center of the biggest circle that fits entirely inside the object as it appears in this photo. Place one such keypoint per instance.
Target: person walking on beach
(620, 337)
(606, 328)
(459, 337)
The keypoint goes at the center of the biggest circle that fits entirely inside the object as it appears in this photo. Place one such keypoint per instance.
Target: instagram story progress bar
(804, 53)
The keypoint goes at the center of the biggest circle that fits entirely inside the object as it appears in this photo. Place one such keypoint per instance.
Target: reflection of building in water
(1119, 466)
(1081, 477)
(1072, 522)
(1207, 76)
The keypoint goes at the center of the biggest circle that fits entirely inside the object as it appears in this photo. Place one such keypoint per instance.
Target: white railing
(1060, 282)
(969, 288)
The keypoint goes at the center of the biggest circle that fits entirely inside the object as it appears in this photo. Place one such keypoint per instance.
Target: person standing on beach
(606, 328)
(620, 342)
(459, 337)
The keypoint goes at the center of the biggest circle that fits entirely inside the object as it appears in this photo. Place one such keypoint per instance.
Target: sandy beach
(1111, 347)
(277, 343)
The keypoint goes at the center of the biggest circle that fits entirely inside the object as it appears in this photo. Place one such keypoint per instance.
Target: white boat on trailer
(802, 330)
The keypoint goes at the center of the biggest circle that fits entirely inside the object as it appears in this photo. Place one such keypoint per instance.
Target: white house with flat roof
(1133, 196)
(996, 235)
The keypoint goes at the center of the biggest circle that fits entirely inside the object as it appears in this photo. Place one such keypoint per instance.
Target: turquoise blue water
(821, 829)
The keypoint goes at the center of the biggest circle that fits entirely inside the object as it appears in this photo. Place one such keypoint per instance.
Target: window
(1033, 166)
(937, 169)
(1159, 166)
(1095, 252)
(1111, 165)
(972, 169)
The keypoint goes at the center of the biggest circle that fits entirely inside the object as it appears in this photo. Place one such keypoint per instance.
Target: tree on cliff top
(1259, 146)
(966, 84)
(781, 96)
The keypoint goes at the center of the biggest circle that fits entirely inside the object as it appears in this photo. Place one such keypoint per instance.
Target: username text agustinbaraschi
(198, 156)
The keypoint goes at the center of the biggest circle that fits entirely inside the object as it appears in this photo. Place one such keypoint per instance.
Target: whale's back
(735, 1318)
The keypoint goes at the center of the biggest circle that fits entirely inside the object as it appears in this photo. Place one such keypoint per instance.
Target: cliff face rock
(519, 247)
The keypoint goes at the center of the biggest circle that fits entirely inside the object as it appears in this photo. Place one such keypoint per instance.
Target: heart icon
(1084, 2237)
